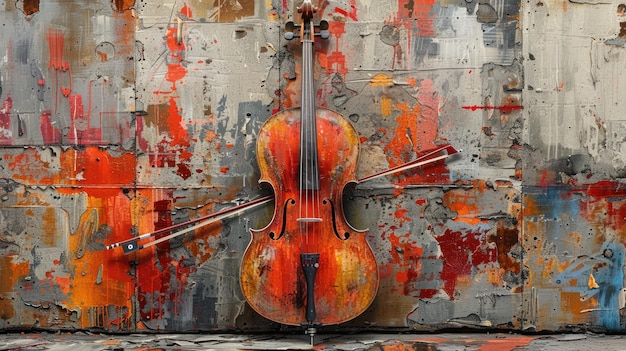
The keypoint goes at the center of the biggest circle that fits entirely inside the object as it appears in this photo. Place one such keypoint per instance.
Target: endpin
(311, 331)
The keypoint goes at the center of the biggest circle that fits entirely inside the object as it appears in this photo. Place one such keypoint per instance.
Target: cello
(308, 267)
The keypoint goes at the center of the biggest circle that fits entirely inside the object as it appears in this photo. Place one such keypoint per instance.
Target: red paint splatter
(603, 204)
(412, 13)
(63, 75)
(56, 42)
(183, 171)
(501, 108)
(425, 20)
(505, 238)
(173, 148)
(462, 251)
(429, 99)
(406, 256)
(175, 70)
(96, 169)
(6, 136)
(31, 7)
(80, 131)
(179, 135)
(160, 283)
(337, 28)
(163, 281)
(186, 11)
(336, 61)
(352, 14)
(402, 214)
(123, 5)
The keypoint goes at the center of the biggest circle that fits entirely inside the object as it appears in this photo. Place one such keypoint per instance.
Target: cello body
(272, 279)
(308, 266)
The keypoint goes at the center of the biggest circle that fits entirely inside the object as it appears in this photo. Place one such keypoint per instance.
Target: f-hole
(284, 221)
(345, 235)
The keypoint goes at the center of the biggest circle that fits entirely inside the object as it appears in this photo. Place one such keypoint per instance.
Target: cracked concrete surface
(86, 341)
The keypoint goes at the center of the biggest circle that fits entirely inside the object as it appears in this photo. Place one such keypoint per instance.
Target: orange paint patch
(28, 166)
(494, 276)
(416, 131)
(570, 310)
(97, 167)
(16, 272)
(464, 204)
(50, 227)
(104, 278)
(505, 344)
(402, 214)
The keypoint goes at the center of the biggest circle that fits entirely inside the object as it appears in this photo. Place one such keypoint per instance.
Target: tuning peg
(323, 26)
(290, 29)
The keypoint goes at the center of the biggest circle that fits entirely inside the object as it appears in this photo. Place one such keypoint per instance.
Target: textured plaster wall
(120, 118)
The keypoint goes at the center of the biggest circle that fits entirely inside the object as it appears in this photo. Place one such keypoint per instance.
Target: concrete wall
(122, 117)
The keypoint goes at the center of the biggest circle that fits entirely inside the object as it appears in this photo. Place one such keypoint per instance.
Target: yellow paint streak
(592, 282)
(386, 106)
(381, 80)
(272, 16)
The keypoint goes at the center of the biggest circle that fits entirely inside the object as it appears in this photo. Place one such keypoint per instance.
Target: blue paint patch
(606, 268)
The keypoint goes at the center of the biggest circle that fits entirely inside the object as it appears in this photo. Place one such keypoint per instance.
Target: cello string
(309, 197)
(316, 175)
(310, 132)
(312, 201)
(304, 143)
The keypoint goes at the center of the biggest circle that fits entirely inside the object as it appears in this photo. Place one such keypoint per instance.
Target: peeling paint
(122, 117)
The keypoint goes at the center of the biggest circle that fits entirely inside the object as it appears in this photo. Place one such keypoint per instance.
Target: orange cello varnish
(271, 277)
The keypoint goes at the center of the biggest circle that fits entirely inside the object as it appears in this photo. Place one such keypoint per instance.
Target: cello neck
(309, 167)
